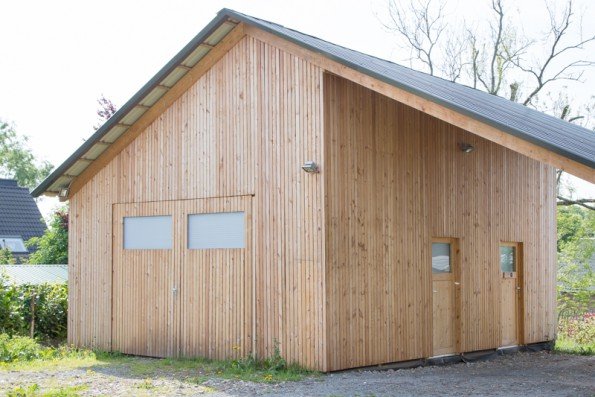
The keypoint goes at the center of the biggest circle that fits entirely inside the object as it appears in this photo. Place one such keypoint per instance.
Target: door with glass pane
(511, 294)
(217, 278)
(445, 296)
(145, 279)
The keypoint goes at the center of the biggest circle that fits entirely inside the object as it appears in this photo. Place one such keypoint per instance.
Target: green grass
(200, 370)
(569, 346)
(270, 370)
(35, 391)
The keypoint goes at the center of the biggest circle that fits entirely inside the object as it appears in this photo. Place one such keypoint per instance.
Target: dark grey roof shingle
(562, 137)
(19, 215)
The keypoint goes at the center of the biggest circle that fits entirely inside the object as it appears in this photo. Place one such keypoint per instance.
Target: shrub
(52, 247)
(577, 334)
(23, 348)
(19, 348)
(50, 310)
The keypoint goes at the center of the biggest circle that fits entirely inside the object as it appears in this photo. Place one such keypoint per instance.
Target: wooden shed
(268, 188)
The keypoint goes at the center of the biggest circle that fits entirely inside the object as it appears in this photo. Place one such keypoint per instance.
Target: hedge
(47, 302)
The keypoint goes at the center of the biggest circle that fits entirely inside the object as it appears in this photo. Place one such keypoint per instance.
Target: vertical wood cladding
(340, 267)
(395, 179)
(242, 129)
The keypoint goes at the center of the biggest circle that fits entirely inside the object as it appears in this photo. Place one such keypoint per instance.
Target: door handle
(457, 283)
(174, 290)
(435, 291)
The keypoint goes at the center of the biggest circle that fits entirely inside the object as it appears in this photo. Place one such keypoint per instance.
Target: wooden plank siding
(339, 267)
(243, 128)
(395, 179)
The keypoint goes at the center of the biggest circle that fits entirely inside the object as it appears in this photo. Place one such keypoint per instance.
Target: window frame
(454, 259)
(198, 214)
(517, 250)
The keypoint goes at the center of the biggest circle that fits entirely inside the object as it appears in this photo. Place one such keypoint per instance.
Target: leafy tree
(576, 247)
(52, 247)
(6, 257)
(16, 159)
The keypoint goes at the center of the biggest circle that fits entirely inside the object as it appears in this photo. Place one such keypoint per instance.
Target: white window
(14, 244)
(216, 230)
(148, 232)
(441, 258)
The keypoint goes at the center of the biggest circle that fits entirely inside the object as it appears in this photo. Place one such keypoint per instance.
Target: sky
(58, 57)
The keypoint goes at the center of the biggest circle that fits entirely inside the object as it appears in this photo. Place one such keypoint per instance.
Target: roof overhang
(226, 21)
(62, 177)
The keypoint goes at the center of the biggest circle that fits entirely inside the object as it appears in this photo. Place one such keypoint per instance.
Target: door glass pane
(147, 232)
(507, 258)
(216, 230)
(441, 258)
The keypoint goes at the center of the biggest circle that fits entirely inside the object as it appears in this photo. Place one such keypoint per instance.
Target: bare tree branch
(582, 202)
(559, 28)
(423, 28)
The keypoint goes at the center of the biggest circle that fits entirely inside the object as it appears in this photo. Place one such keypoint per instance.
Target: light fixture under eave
(466, 147)
(63, 194)
(310, 167)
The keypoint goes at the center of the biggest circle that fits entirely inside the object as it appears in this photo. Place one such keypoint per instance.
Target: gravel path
(521, 374)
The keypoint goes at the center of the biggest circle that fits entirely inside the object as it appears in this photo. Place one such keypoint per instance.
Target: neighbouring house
(35, 274)
(270, 189)
(20, 219)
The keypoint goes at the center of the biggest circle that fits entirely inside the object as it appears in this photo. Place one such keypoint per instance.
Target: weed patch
(576, 335)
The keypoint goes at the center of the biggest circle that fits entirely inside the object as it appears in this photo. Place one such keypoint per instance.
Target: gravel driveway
(521, 374)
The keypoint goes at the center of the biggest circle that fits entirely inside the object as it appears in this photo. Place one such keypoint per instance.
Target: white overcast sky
(58, 57)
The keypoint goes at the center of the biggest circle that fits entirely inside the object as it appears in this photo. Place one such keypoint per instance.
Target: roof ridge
(394, 63)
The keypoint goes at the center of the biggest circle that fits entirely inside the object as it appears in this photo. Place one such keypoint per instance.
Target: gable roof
(19, 215)
(35, 274)
(558, 136)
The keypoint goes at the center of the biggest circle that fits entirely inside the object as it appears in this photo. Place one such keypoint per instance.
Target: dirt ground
(520, 374)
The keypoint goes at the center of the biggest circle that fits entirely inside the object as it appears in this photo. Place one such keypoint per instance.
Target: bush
(50, 310)
(52, 247)
(18, 348)
(23, 348)
(577, 334)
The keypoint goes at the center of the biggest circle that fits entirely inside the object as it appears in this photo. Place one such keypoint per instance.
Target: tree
(52, 247)
(16, 159)
(106, 110)
(501, 60)
(576, 247)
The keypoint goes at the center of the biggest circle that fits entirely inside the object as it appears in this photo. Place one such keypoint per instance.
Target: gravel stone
(520, 374)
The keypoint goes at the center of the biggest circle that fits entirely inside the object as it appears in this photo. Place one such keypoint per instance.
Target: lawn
(30, 370)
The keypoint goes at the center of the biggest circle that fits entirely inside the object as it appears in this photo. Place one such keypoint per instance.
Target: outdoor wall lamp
(310, 167)
(466, 147)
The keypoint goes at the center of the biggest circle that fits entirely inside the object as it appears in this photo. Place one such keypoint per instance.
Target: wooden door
(217, 279)
(145, 279)
(444, 296)
(511, 294)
